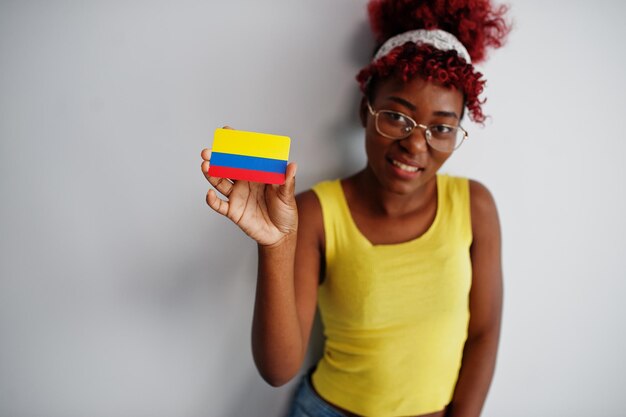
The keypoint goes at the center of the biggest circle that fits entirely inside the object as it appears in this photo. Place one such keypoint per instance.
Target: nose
(416, 142)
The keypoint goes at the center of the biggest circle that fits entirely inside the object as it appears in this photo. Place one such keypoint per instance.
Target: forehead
(420, 92)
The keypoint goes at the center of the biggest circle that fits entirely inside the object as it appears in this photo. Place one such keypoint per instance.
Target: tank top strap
(455, 200)
(335, 214)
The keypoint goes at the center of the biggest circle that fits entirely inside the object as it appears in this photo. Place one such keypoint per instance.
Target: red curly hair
(476, 24)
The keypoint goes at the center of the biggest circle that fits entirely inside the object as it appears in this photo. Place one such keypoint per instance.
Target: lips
(407, 166)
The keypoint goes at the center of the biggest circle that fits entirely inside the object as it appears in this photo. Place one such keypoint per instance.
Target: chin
(404, 189)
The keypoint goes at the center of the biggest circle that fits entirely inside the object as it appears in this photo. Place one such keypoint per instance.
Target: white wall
(121, 294)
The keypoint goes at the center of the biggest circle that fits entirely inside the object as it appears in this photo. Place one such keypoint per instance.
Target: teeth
(404, 167)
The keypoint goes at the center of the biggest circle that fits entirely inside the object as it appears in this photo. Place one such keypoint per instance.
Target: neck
(387, 203)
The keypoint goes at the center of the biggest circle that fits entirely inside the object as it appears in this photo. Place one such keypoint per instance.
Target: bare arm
(286, 297)
(288, 265)
(479, 355)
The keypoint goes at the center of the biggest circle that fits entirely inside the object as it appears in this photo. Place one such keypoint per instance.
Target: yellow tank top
(395, 316)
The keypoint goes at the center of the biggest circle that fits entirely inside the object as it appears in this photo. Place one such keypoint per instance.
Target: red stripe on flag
(246, 175)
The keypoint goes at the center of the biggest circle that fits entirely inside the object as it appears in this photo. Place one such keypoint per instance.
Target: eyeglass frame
(427, 132)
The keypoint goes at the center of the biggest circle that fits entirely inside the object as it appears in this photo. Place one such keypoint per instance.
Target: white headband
(438, 38)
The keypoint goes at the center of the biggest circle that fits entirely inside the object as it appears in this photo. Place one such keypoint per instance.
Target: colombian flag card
(249, 156)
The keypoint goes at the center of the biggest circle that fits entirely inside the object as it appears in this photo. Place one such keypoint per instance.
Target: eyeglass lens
(441, 137)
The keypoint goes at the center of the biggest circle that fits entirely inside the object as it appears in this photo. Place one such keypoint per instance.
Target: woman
(404, 262)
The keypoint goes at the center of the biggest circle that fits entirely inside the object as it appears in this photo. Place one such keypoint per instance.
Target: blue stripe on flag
(248, 162)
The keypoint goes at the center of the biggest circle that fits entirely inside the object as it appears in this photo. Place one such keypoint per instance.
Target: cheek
(370, 150)
(374, 149)
(439, 158)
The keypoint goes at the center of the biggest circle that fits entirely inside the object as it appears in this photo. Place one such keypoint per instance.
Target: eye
(442, 129)
(394, 117)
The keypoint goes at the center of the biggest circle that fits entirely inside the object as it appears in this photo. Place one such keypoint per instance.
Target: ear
(363, 111)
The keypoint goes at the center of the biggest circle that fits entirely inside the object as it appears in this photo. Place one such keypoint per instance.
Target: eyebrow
(446, 114)
(408, 104)
(402, 101)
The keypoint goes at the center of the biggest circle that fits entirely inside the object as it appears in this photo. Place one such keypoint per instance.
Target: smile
(405, 167)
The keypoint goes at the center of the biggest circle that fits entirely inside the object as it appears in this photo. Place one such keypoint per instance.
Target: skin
(388, 206)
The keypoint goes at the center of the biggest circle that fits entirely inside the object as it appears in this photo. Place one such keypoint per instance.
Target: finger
(288, 188)
(217, 203)
(204, 166)
(292, 168)
(223, 185)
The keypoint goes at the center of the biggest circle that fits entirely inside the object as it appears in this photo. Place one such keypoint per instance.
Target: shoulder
(313, 202)
(308, 202)
(480, 197)
(483, 210)
(310, 220)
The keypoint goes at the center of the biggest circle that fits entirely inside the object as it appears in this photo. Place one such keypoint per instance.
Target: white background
(122, 294)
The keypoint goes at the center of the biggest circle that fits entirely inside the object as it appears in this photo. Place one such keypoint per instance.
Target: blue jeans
(307, 403)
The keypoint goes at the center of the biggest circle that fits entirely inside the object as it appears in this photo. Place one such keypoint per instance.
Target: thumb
(288, 188)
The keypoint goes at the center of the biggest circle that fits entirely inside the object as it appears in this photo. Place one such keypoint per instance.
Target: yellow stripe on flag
(261, 145)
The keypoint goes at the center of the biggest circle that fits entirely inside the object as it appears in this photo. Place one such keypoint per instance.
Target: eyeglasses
(396, 125)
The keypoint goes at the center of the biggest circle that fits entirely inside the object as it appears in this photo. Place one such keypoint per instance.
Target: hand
(265, 212)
